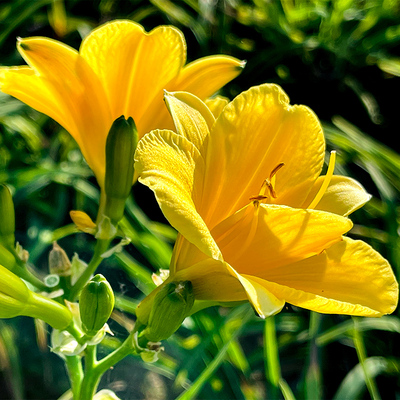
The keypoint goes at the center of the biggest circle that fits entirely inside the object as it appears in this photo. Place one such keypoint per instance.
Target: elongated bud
(120, 149)
(14, 294)
(16, 299)
(171, 306)
(7, 259)
(7, 217)
(96, 303)
(59, 263)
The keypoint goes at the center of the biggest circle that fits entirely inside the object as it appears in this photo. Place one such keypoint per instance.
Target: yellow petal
(343, 196)
(202, 78)
(348, 278)
(82, 221)
(205, 76)
(212, 280)
(184, 255)
(23, 83)
(254, 133)
(191, 117)
(256, 240)
(217, 281)
(216, 104)
(262, 300)
(166, 163)
(134, 66)
(71, 87)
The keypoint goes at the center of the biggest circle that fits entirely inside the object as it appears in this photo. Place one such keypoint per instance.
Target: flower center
(268, 184)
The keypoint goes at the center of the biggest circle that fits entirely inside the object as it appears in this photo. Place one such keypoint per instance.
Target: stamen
(325, 183)
(260, 197)
(268, 183)
(272, 176)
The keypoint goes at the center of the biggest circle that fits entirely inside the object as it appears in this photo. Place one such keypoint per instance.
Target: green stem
(362, 356)
(272, 364)
(95, 369)
(75, 373)
(100, 248)
(25, 274)
(90, 357)
(313, 379)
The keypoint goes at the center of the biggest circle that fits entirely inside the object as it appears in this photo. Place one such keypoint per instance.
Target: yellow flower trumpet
(119, 70)
(257, 222)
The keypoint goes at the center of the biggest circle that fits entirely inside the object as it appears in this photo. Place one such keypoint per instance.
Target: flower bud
(59, 263)
(96, 303)
(16, 299)
(170, 307)
(7, 217)
(7, 259)
(120, 149)
(14, 294)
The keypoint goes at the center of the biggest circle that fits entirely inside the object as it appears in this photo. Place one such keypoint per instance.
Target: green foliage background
(341, 58)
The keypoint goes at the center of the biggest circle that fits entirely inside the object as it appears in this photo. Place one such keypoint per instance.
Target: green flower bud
(59, 263)
(120, 149)
(7, 217)
(7, 259)
(96, 303)
(170, 307)
(16, 299)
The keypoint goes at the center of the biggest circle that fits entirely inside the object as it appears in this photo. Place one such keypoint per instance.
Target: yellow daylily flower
(119, 70)
(256, 220)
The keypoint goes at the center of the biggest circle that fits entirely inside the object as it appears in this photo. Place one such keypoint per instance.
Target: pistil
(325, 183)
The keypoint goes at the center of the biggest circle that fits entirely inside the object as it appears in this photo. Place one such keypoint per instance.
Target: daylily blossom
(119, 70)
(257, 222)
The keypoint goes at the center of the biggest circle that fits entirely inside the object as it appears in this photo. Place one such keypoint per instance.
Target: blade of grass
(272, 363)
(10, 361)
(353, 384)
(389, 324)
(362, 356)
(313, 378)
(215, 363)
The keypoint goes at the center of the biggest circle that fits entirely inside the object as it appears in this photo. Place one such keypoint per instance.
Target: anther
(269, 184)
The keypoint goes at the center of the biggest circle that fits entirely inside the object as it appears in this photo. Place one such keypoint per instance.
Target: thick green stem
(100, 248)
(75, 373)
(94, 370)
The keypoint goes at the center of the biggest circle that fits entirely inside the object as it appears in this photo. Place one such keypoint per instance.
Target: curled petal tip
(242, 64)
